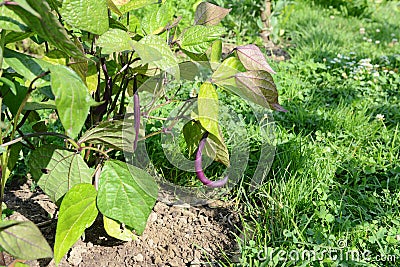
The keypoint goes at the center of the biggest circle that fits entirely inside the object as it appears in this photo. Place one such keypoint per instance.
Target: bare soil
(175, 236)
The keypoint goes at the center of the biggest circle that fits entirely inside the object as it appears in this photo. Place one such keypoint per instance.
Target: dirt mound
(174, 236)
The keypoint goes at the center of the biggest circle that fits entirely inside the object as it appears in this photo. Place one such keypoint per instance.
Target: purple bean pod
(199, 170)
(136, 114)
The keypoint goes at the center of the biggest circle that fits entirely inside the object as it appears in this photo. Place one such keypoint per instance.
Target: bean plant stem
(3, 163)
(95, 149)
(2, 45)
(19, 139)
(2, 166)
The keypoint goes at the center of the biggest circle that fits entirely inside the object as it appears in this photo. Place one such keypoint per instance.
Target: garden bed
(174, 236)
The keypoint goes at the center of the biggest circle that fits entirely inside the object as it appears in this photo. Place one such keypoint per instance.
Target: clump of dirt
(174, 236)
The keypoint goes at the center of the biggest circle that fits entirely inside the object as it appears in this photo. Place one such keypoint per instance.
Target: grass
(335, 181)
(334, 185)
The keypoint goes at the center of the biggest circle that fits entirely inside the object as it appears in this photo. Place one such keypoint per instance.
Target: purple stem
(199, 170)
(136, 114)
(9, 3)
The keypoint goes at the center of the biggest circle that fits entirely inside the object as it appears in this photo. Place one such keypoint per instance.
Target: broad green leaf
(117, 230)
(38, 16)
(197, 39)
(27, 66)
(116, 24)
(10, 100)
(72, 98)
(56, 57)
(10, 84)
(55, 4)
(40, 127)
(40, 105)
(192, 132)
(147, 53)
(168, 62)
(87, 15)
(46, 91)
(208, 108)
(113, 7)
(126, 5)
(155, 21)
(225, 73)
(209, 14)
(252, 58)
(14, 155)
(134, 23)
(77, 212)
(23, 240)
(58, 170)
(79, 66)
(115, 40)
(91, 77)
(201, 58)
(216, 146)
(10, 21)
(12, 37)
(25, 5)
(216, 53)
(191, 70)
(259, 87)
(118, 134)
(126, 194)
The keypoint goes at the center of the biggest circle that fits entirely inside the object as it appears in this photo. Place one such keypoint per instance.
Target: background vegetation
(334, 183)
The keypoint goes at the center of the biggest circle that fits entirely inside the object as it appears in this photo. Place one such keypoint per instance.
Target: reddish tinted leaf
(252, 58)
(209, 14)
(259, 87)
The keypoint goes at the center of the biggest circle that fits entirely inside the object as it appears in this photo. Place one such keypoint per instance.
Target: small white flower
(362, 30)
(364, 38)
(331, 17)
(378, 30)
(369, 40)
(193, 93)
(394, 40)
(377, 42)
(391, 72)
(375, 74)
(380, 117)
(393, 35)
